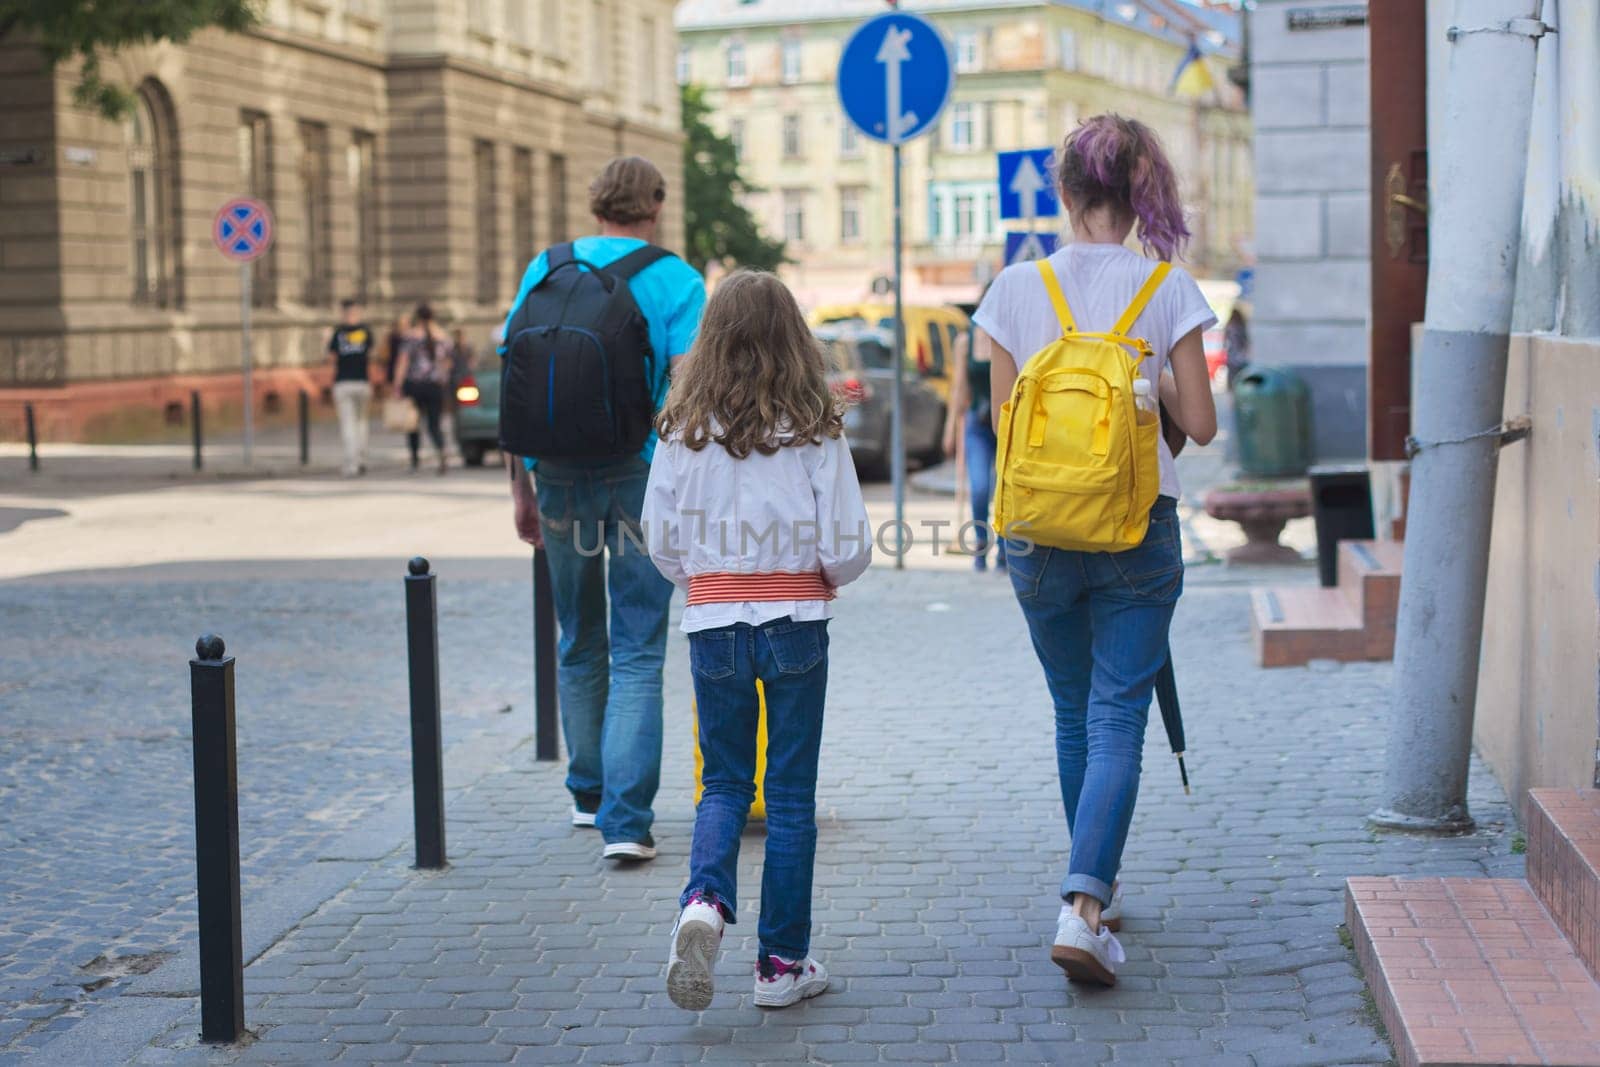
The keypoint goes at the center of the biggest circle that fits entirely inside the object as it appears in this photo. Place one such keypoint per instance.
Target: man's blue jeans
(791, 660)
(980, 445)
(1099, 624)
(610, 684)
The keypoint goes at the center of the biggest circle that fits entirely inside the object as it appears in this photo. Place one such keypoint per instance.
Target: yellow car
(931, 333)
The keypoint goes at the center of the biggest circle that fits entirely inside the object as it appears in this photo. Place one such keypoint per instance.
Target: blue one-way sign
(894, 77)
(1026, 191)
(1021, 247)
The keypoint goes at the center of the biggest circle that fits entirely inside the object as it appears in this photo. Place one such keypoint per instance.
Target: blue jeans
(1099, 624)
(610, 684)
(791, 660)
(980, 445)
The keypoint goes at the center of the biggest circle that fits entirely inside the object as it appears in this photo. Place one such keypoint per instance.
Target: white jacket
(738, 532)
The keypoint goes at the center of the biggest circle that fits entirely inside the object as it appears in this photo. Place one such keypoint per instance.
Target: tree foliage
(63, 29)
(719, 228)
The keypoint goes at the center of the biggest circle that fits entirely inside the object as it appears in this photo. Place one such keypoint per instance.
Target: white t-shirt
(1099, 282)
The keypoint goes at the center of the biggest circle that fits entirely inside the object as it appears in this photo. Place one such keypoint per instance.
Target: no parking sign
(242, 231)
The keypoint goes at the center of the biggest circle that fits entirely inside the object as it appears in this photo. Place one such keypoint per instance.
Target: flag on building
(1193, 77)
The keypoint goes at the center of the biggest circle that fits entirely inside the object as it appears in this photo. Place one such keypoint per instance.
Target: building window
(967, 52)
(961, 127)
(683, 65)
(255, 168)
(738, 73)
(963, 214)
(736, 137)
(849, 139)
(1069, 49)
(790, 60)
(648, 74)
(522, 236)
(362, 159)
(316, 244)
(483, 205)
(153, 199)
(558, 199)
(794, 215)
(850, 215)
(791, 137)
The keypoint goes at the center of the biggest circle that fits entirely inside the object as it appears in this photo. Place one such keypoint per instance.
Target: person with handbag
(423, 371)
(1079, 343)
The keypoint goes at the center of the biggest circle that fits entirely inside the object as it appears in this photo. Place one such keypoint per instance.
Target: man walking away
(589, 344)
(348, 349)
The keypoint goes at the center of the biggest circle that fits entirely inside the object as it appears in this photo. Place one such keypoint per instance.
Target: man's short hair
(630, 189)
(349, 302)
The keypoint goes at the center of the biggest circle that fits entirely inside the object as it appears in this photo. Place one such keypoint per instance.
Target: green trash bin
(1272, 410)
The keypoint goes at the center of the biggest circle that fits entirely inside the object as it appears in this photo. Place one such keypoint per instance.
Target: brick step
(1294, 624)
(1563, 827)
(1472, 971)
(1369, 577)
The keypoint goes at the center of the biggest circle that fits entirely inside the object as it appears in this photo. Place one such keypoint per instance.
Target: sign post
(895, 76)
(242, 231)
(1026, 193)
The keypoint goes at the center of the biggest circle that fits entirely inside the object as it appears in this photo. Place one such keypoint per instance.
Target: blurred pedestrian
(752, 437)
(1099, 621)
(348, 351)
(393, 341)
(1236, 342)
(423, 372)
(586, 367)
(968, 414)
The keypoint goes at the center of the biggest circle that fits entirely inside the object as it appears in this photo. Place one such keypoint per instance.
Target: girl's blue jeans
(791, 660)
(1099, 625)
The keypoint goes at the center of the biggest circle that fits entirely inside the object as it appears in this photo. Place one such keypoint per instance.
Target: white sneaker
(696, 937)
(791, 981)
(581, 817)
(1111, 914)
(631, 850)
(1084, 955)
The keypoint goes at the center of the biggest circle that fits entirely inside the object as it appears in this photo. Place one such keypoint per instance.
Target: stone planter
(1263, 510)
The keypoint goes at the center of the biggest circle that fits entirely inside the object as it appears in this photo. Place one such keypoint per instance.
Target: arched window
(153, 199)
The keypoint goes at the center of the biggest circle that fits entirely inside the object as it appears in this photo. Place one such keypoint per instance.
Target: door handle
(1396, 202)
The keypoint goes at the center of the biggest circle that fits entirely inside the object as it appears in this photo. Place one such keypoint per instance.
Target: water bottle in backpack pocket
(579, 368)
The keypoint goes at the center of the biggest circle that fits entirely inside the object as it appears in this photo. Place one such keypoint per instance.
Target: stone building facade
(1026, 72)
(410, 150)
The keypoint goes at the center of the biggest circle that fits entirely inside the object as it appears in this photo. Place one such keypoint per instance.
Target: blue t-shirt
(670, 294)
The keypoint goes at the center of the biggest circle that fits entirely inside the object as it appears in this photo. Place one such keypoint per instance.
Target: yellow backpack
(1077, 460)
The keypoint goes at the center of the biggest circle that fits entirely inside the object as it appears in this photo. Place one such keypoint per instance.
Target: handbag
(400, 414)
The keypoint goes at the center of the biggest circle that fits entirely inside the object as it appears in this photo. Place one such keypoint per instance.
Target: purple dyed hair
(1117, 162)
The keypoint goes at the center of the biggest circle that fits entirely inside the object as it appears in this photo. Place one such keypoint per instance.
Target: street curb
(151, 1004)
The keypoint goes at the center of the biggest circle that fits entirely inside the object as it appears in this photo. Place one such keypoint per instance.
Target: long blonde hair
(755, 379)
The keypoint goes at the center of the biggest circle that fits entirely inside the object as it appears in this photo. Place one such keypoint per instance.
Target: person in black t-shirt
(348, 350)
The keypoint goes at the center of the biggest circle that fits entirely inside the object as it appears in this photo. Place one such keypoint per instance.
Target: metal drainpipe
(1476, 160)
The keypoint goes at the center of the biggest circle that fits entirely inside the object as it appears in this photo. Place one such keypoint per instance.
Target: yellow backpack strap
(1141, 299)
(1057, 298)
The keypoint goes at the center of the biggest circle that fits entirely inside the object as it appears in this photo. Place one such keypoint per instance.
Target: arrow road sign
(895, 75)
(1026, 191)
(242, 230)
(1021, 247)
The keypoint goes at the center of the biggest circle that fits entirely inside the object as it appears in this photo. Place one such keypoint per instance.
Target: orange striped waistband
(727, 588)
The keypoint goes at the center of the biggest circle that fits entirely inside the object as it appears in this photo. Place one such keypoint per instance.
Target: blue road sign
(242, 230)
(895, 65)
(1026, 190)
(1021, 247)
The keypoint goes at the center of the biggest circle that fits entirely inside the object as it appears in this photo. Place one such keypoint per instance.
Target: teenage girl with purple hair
(1099, 620)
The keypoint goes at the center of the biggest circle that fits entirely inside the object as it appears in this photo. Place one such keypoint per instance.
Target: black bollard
(194, 423)
(427, 744)
(305, 428)
(544, 660)
(33, 438)
(216, 842)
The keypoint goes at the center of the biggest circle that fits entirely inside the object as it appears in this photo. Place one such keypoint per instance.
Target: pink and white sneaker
(696, 939)
(781, 982)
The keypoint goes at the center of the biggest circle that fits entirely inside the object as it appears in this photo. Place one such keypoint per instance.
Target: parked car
(931, 332)
(478, 412)
(862, 358)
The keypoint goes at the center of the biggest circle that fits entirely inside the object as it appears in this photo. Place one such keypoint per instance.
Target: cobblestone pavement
(95, 784)
(941, 847)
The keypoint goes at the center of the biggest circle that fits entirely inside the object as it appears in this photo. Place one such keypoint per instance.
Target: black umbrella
(1171, 717)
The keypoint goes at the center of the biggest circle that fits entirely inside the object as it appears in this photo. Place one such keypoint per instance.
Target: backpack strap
(1058, 299)
(1141, 299)
(635, 261)
(559, 256)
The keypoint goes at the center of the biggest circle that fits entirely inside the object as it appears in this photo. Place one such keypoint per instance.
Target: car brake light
(852, 390)
(467, 392)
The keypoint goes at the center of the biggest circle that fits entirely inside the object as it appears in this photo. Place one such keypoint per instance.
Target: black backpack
(579, 367)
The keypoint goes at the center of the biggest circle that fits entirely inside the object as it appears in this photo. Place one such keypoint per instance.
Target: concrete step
(1369, 577)
(1472, 971)
(1294, 624)
(1563, 827)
